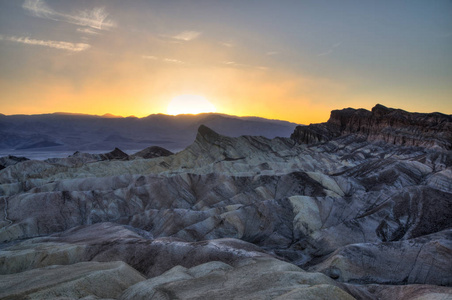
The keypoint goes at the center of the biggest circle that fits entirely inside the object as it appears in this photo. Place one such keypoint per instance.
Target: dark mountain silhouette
(74, 132)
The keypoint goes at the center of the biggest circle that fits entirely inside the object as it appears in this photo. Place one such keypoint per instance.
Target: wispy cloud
(74, 47)
(229, 45)
(149, 57)
(186, 35)
(87, 31)
(96, 18)
(166, 59)
(232, 64)
(172, 60)
(270, 53)
(239, 65)
(329, 51)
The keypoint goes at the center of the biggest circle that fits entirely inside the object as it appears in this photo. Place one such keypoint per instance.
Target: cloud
(172, 60)
(229, 45)
(39, 9)
(149, 57)
(74, 47)
(96, 18)
(232, 64)
(186, 35)
(272, 53)
(87, 31)
(325, 53)
(238, 65)
(329, 51)
(167, 60)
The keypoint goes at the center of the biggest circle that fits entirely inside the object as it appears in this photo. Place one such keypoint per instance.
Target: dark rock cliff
(394, 126)
(153, 152)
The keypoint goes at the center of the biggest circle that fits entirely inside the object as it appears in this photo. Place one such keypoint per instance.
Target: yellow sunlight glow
(190, 104)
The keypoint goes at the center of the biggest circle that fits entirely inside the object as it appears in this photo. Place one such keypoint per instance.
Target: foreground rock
(112, 242)
(103, 280)
(399, 292)
(257, 278)
(427, 259)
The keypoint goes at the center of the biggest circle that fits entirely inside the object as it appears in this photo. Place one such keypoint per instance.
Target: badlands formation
(359, 207)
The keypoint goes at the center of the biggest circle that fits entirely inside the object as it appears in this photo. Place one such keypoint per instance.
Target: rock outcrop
(112, 242)
(411, 261)
(75, 281)
(373, 217)
(390, 125)
(252, 278)
(10, 160)
(153, 152)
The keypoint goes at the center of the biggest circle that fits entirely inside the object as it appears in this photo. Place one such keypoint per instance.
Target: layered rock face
(233, 218)
(390, 125)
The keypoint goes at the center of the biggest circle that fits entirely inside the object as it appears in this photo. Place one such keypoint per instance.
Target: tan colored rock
(307, 216)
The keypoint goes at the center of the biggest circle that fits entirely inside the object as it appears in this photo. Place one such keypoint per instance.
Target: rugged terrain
(393, 126)
(340, 210)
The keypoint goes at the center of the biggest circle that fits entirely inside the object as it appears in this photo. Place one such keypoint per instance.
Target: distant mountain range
(72, 132)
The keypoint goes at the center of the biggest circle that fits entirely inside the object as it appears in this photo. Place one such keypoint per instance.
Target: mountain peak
(381, 110)
(381, 107)
(207, 133)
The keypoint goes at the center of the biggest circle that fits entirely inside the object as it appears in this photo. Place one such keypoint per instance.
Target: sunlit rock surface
(373, 215)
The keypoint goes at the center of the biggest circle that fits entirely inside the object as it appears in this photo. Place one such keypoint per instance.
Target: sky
(287, 60)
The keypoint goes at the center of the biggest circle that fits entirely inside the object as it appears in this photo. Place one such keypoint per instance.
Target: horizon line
(112, 116)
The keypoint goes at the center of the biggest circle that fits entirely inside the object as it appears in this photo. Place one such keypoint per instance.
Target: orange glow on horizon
(190, 104)
(134, 91)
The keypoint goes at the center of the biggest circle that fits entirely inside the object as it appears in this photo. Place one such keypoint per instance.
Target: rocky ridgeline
(390, 125)
(234, 218)
(10, 160)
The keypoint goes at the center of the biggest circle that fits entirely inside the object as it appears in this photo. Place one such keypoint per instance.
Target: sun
(189, 104)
